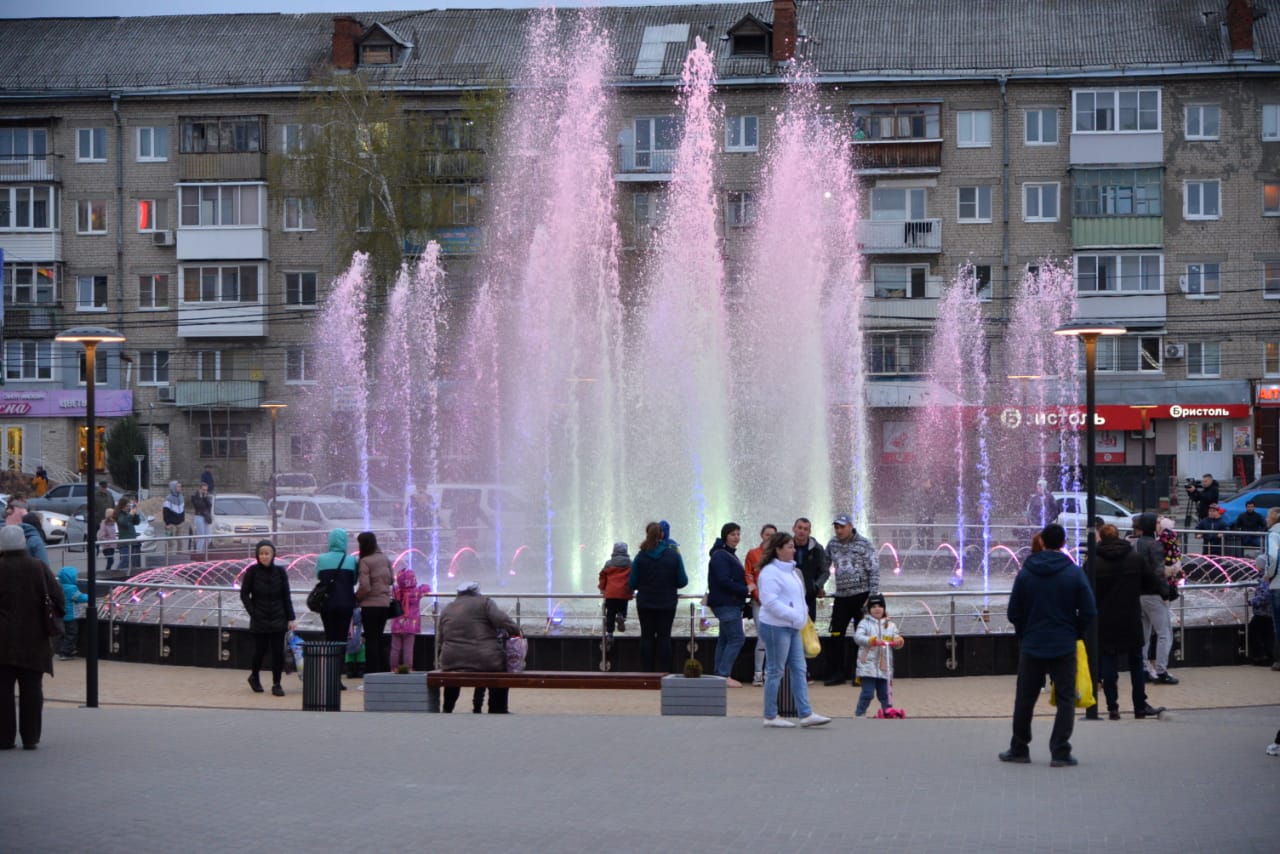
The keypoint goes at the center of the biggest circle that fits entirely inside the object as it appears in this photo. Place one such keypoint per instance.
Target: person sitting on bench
(468, 638)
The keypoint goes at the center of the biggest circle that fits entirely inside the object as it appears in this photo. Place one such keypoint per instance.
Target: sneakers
(255, 684)
(757, 680)
(277, 691)
(1064, 762)
(1148, 711)
(1165, 679)
(780, 723)
(1273, 749)
(1015, 758)
(815, 719)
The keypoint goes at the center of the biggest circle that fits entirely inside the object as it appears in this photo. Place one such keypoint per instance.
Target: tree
(124, 441)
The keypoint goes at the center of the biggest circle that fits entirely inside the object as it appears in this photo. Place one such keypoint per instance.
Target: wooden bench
(568, 679)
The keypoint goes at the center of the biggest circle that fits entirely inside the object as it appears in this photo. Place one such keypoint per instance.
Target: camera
(1191, 483)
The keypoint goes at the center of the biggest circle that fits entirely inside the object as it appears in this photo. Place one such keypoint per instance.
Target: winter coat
(613, 581)
(1204, 496)
(726, 578)
(656, 576)
(127, 525)
(409, 593)
(264, 591)
(108, 531)
(875, 662)
(35, 543)
(751, 570)
(814, 566)
(468, 634)
(70, 592)
(202, 506)
(1118, 572)
(175, 506)
(343, 597)
(782, 596)
(23, 584)
(1050, 605)
(376, 578)
(855, 565)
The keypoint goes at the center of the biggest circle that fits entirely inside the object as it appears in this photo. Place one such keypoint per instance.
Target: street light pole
(138, 458)
(1144, 408)
(275, 407)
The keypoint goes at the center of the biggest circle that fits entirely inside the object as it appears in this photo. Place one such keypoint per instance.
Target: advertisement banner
(65, 403)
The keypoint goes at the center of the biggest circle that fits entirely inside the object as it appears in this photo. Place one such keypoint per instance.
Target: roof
(455, 47)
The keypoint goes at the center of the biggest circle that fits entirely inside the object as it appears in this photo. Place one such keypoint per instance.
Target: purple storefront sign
(107, 403)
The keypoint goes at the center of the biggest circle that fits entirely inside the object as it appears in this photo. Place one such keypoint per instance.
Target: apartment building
(138, 190)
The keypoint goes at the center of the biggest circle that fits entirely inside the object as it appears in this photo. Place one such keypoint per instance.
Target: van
(495, 503)
(295, 483)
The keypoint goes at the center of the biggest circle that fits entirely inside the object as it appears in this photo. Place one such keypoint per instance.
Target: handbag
(53, 626)
(319, 595)
(1084, 681)
(395, 608)
(809, 635)
(516, 650)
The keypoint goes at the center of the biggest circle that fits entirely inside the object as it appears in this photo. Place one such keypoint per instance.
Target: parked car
(1267, 481)
(55, 526)
(75, 537)
(239, 519)
(295, 483)
(1263, 500)
(1074, 513)
(69, 498)
(382, 503)
(321, 513)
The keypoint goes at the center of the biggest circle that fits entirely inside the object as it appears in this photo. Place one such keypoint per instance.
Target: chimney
(1240, 26)
(784, 30)
(346, 30)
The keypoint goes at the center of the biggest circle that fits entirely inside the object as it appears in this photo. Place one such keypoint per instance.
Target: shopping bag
(1084, 681)
(809, 635)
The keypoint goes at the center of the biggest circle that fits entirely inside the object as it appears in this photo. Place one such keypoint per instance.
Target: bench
(568, 679)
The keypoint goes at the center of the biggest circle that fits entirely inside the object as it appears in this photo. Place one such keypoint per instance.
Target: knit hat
(876, 599)
(12, 539)
(619, 549)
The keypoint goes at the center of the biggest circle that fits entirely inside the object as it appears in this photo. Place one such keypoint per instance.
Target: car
(55, 526)
(322, 513)
(381, 502)
(295, 483)
(75, 536)
(1267, 481)
(1073, 511)
(69, 498)
(239, 519)
(1263, 500)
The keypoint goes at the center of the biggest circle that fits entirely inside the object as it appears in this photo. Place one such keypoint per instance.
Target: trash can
(786, 702)
(322, 675)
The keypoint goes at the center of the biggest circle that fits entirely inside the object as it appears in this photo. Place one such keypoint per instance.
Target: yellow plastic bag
(1084, 681)
(809, 634)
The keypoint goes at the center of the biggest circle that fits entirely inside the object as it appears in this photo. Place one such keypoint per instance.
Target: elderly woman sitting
(468, 638)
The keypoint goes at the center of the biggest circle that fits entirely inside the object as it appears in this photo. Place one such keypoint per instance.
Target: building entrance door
(1202, 449)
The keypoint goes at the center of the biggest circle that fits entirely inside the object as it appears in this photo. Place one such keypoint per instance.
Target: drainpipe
(1004, 183)
(115, 109)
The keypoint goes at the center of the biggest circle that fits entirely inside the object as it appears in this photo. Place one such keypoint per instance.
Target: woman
(373, 592)
(468, 637)
(1118, 572)
(127, 522)
(1272, 545)
(109, 532)
(657, 574)
(25, 652)
(726, 593)
(751, 568)
(783, 613)
(337, 569)
(264, 590)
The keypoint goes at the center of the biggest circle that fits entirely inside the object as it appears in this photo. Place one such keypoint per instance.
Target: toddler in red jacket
(617, 592)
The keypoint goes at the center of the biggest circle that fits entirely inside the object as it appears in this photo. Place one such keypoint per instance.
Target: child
(71, 593)
(613, 584)
(877, 637)
(108, 531)
(404, 629)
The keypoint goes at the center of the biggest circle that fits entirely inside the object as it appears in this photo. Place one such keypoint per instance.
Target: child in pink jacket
(404, 630)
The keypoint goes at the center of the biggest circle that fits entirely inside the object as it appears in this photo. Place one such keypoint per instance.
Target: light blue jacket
(70, 591)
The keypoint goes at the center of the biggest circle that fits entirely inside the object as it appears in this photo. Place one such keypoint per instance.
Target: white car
(239, 519)
(1074, 514)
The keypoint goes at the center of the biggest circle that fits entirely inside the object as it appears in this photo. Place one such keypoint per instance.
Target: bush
(692, 669)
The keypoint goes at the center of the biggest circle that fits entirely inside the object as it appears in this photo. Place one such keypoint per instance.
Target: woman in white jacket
(782, 615)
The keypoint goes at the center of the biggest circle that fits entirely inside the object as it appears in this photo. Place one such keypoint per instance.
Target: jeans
(128, 556)
(1031, 674)
(1155, 615)
(872, 685)
(1109, 671)
(613, 609)
(784, 648)
(655, 638)
(1275, 615)
(201, 541)
(731, 638)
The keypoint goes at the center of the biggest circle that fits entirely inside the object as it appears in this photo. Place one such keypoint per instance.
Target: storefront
(1266, 428)
(39, 427)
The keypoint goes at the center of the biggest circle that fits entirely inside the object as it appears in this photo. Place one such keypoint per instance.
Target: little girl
(108, 531)
(877, 637)
(404, 629)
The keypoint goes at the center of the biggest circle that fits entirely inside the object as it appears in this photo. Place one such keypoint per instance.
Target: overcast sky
(109, 8)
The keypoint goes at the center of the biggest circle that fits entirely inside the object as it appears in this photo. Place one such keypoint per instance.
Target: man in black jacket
(1249, 520)
(813, 563)
(1205, 495)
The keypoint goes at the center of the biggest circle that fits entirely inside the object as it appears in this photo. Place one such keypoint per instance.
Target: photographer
(1204, 495)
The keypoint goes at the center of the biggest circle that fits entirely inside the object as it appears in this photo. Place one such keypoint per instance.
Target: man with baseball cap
(1211, 524)
(856, 566)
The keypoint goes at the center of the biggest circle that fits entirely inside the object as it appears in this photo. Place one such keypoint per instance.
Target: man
(1153, 593)
(13, 515)
(1211, 524)
(1042, 507)
(202, 514)
(102, 502)
(174, 510)
(1050, 607)
(1205, 495)
(1249, 520)
(856, 566)
(206, 478)
(813, 564)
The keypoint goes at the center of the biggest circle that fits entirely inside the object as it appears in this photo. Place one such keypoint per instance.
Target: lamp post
(275, 406)
(1089, 333)
(91, 337)
(1144, 408)
(138, 458)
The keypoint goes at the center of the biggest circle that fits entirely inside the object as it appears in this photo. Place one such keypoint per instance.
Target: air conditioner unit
(1182, 283)
(1175, 351)
(165, 393)
(164, 237)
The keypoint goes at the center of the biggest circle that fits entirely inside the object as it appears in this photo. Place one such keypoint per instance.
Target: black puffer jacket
(1119, 583)
(264, 590)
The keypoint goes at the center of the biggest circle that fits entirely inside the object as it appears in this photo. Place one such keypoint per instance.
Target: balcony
(237, 166)
(1122, 307)
(14, 168)
(32, 320)
(222, 394)
(37, 246)
(644, 165)
(895, 156)
(1096, 149)
(907, 237)
(452, 164)
(212, 243)
(1098, 232)
(899, 312)
(222, 320)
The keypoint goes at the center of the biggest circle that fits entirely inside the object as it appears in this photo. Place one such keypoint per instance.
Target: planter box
(706, 695)
(395, 692)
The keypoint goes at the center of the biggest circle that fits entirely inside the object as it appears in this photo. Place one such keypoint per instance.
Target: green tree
(124, 441)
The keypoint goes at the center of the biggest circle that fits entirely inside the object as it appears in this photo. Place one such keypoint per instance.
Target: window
(99, 368)
(153, 291)
(299, 214)
(153, 367)
(28, 208)
(224, 441)
(91, 145)
(899, 282)
(1118, 353)
(1202, 121)
(982, 280)
(1271, 279)
(1204, 359)
(742, 133)
(212, 365)
(1041, 127)
(28, 360)
(30, 284)
(1271, 121)
(300, 289)
(896, 352)
(750, 44)
(973, 129)
(1040, 202)
(1271, 198)
(1117, 192)
(220, 135)
(1201, 200)
(464, 203)
(377, 54)
(208, 205)
(91, 216)
(153, 214)
(294, 139)
(1118, 273)
(1203, 281)
(23, 144)
(91, 293)
(237, 283)
(297, 368)
(740, 209)
(647, 208)
(656, 141)
(1117, 110)
(153, 145)
(974, 204)
(1271, 359)
(897, 204)
(897, 121)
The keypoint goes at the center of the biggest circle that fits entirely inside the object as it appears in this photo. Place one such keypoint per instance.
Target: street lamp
(138, 458)
(91, 337)
(1089, 333)
(1144, 408)
(275, 406)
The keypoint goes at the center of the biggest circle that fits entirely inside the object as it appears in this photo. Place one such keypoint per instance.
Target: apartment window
(91, 293)
(99, 368)
(364, 213)
(300, 290)
(1204, 281)
(1117, 192)
(91, 216)
(891, 281)
(1202, 121)
(450, 132)
(897, 204)
(153, 367)
(209, 364)
(299, 214)
(1271, 359)
(1041, 127)
(224, 441)
(647, 208)
(982, 281)
(1204, 359)
(973, 129)
(1271, 198)
(210, 205)
(153, 214)
(1201, 200)
(297, 370)
(220, 135)
(232, 283)
(1117, 110)
(153, 291)
(740, 209)
(656, 141)
(1040, 202)
(1271, 121)
(294, 139)
(1271, 279)
(896, 352)
(91, 145)
(28, 208)
(28, 360)
(153, 145)
(23, 143)
(974, 204)
(742, 133)
(897, 121)
(1127, 273)
(1126, 353)
(464, 203)
(29, 284)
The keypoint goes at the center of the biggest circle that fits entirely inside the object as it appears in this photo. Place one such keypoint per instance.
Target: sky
(111, 8)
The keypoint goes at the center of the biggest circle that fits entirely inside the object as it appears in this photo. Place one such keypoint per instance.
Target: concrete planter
(395, 692)
(706, 695)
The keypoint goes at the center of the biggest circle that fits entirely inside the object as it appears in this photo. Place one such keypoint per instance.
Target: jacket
(468, 634)
(656, 576)
(1152, 554)
(70, 592)
(751, 569)
(175, 506)
(875, 662)
(35, 543)
(726, 578)
(265, 594)
(343, 597)
(814, 566)
(1204, 496)
(23, 583)
(127, 525)
(376, 578)
(409, 592)
(1119, 573)
(613, 581)
(1272, 547)
(855, 565)
(108, 531)
(782, 596)
(1050, 605)
(202, 506)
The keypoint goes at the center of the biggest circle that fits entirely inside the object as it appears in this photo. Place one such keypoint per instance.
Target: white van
(489, 503)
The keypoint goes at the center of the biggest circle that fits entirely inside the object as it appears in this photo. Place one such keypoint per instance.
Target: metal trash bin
(786, 702)
(322, 675)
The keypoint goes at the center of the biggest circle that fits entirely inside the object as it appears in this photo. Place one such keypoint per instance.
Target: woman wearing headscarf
(264, 590)
(373, 592)
(25, 652)
(468, 637)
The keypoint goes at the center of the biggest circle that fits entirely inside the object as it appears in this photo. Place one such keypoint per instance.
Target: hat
(1217, 507)
(12, 539)
(843, 519)
(469, 587)
(875, 599)
(619, 549)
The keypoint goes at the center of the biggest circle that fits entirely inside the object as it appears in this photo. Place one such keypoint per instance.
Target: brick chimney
(784, 30)
(346, 30)
(1240, 26)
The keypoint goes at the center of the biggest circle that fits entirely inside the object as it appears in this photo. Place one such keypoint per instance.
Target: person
(202, 514)
(876, 637)
(421, 512)
(127, 521)
(1211, 525)
(69, 642)
(751, 571)
(264, 591)
(468, 635)
(373, 593)
(812, 561)
(613, 586)
(1042, 507)
(25, 652)
(338, 569)
(783, 613)
(657, 575)
(16, 514)
(101, 502)
(174, 510)
(1118, 571)
(468, 519)
(1155, 608)
(726, 594)
(40, 483)
(1272, 547)
(405, 628)
(1050, 607)
(1205, 495)
(1250, 520)
(206, 479)
(856, 566)
(108, 533)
